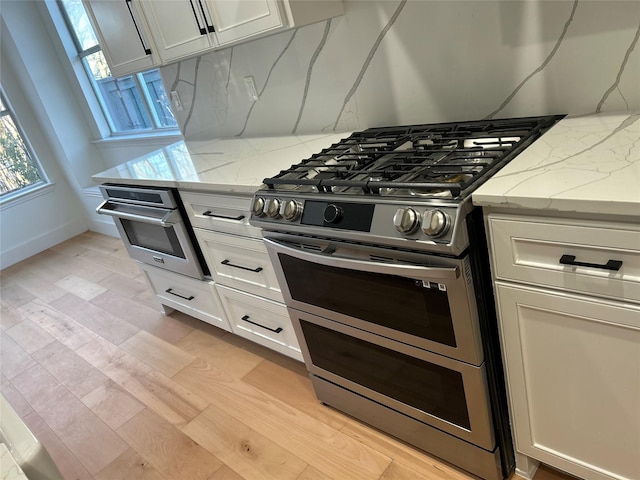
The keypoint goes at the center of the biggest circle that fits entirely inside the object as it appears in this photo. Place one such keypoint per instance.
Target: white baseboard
(42, 242)
(104, 227)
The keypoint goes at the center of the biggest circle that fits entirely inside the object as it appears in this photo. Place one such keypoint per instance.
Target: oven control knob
(273, 208)
(406, 220)
(257, 208)
(332, 213)
(291, 210)
(435, 223)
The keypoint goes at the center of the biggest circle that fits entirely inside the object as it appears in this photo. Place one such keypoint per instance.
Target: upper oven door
(418, 299)
(155, 236)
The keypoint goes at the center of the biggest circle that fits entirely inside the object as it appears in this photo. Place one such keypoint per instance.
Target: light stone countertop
(586, 164)
(234, 165)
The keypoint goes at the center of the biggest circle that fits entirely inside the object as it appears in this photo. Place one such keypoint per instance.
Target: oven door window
(424, 386)
(395, 302)
(153, 237)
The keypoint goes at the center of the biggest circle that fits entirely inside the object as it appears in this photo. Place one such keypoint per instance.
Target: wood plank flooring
(117, 391)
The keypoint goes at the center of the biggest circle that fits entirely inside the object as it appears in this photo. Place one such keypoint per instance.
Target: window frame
(37, 188)
(82, 54)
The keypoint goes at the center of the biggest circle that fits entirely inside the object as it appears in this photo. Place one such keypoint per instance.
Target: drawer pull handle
(610, 265)
(229, 264)
(170, 290)
(274, 330)
(226, 217)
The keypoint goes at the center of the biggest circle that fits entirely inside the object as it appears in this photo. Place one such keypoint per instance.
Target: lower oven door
(415, 298)
(155, 236)
(447, 394)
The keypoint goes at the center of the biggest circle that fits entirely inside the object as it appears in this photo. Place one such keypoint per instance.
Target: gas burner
(436, 160)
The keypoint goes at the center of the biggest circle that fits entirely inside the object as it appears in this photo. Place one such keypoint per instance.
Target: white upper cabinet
(183, 28)
(180, 27)
(239, 20)
(123, 34)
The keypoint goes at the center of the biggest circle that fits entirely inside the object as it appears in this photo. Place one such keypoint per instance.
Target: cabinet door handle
(610, 265)
(208, 213)
(170, 290)
(274, 330)
(210, 28)
(146, 49)
(200, 28)
(229, 264)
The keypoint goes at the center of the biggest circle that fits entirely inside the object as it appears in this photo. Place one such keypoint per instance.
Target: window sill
(162, 138)
(19, 197)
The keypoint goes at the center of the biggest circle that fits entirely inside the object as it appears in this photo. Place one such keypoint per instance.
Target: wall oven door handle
(171, 217)
(406, 270)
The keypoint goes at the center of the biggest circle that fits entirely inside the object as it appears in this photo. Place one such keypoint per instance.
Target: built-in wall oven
(154, 227)
(382, 261)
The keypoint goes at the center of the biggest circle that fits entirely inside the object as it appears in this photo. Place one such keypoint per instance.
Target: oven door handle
(412, 271)
(169, 219)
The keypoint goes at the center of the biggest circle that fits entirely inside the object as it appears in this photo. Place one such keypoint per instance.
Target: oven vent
(467, 272)
(378, 258)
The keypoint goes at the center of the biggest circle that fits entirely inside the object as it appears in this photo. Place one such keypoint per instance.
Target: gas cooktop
(447, 160)
(393, 184)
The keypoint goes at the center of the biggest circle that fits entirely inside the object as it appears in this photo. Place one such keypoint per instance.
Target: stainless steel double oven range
(382, 260)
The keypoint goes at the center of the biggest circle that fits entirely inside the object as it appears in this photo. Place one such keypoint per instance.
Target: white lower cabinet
(239, 262)
(241, 269)
(569, 318)
(573, 367)
(197, 298)
(260, 320)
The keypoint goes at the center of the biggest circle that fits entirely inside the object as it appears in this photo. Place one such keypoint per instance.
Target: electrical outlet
(250, 85)
(175, 100)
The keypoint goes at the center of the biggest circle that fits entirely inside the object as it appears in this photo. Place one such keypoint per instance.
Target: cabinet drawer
(222, 213)
(528, 250)
(239, 262)
(260, 320)
(194, 297)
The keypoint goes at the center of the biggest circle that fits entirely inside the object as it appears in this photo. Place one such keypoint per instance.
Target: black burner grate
(449, 159)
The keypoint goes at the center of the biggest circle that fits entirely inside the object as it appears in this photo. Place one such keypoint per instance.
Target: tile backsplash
(417, 61)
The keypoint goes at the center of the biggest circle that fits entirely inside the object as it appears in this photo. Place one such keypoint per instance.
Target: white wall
(48, 99)
(438, 61)
(28, 227)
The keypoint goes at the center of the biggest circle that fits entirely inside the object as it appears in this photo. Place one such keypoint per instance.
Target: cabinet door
(123, 35)
(179, 27)
(238, 20)
(573, 373)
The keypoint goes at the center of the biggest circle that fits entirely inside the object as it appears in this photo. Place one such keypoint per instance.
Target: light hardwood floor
(117, 391)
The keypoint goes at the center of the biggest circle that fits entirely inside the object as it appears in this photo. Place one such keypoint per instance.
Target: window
(19, 170)
(132, 103)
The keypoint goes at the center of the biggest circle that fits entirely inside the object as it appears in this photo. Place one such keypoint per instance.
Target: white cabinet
(194, 297)
(260, 320)
(180, 27)
(236, 21)
(183, 28)
(123, 34)
(569, 317)
(239, 262)
(241, 269)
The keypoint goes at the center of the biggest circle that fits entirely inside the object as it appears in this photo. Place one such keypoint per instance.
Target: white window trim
(26, 194)
(94, 110)
(32, 191)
